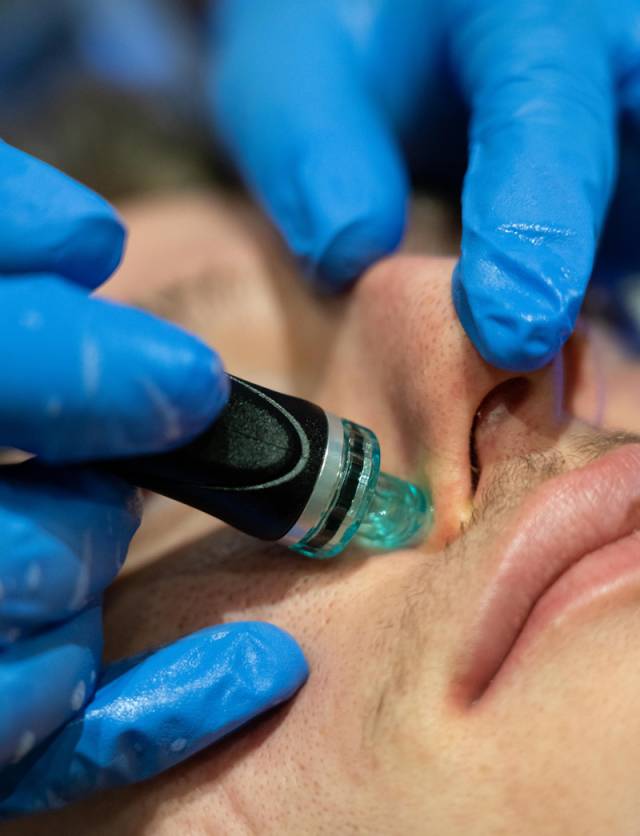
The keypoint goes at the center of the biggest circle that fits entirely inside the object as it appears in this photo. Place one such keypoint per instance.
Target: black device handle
(255, 467)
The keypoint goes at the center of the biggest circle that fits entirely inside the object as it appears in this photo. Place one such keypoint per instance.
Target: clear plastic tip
(399, 515)
(353, 500)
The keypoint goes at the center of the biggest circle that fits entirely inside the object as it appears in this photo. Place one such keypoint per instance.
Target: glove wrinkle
(161, 709)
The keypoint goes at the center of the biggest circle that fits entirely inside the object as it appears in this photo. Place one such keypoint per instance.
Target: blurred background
(110, 91)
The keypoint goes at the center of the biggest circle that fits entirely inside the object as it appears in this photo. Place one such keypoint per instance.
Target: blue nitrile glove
(84, 378)
(150, 47)
(144, 45)
(315, 100)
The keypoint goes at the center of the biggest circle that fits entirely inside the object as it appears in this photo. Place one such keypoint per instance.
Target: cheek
(345, 617)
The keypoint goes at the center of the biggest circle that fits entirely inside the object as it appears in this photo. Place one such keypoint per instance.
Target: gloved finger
(85, 378)
(541, 168)
(162, 709)
(63, 538)
(294, 111)
(142, 45)
(51, 223)
(45, 680)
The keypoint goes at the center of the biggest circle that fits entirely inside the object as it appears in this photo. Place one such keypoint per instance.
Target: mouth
(575, 540)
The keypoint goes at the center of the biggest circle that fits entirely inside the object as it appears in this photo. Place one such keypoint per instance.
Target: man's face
(475, 685)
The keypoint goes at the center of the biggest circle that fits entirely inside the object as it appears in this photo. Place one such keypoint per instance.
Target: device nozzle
(399, 515)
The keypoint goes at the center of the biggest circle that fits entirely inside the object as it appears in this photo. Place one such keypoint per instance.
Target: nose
(523, 416)
(422, 381)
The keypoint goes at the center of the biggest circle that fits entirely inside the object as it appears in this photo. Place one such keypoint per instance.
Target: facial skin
(388, 736)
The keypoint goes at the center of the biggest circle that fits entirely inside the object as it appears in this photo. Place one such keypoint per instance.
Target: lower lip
(608, 575)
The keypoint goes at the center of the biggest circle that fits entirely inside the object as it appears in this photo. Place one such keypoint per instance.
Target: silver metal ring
(325, 485)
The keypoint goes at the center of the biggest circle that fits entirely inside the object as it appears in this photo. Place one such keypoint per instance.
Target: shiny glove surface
(83, 378)
(324, 104)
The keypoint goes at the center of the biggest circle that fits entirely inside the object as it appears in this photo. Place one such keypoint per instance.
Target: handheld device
(281, 468)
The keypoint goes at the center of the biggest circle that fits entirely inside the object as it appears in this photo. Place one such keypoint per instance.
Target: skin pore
(385, 738)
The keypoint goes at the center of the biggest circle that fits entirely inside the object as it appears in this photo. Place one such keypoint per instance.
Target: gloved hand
(83, 378)
(322, 103)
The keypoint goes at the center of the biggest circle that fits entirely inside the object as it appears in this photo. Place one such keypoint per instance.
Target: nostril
(500, 400)
(503, 398)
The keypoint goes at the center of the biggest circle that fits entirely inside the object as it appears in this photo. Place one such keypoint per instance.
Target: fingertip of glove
(355, 247)
(132, 384)
(199, 388)
(504, 337)
(175, 389)
(276, 660)
(342, 203)
(95, 250)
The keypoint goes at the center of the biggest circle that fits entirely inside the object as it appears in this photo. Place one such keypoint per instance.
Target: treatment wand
(281, 468)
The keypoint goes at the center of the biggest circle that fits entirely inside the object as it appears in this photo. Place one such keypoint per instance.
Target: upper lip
(565, 519)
